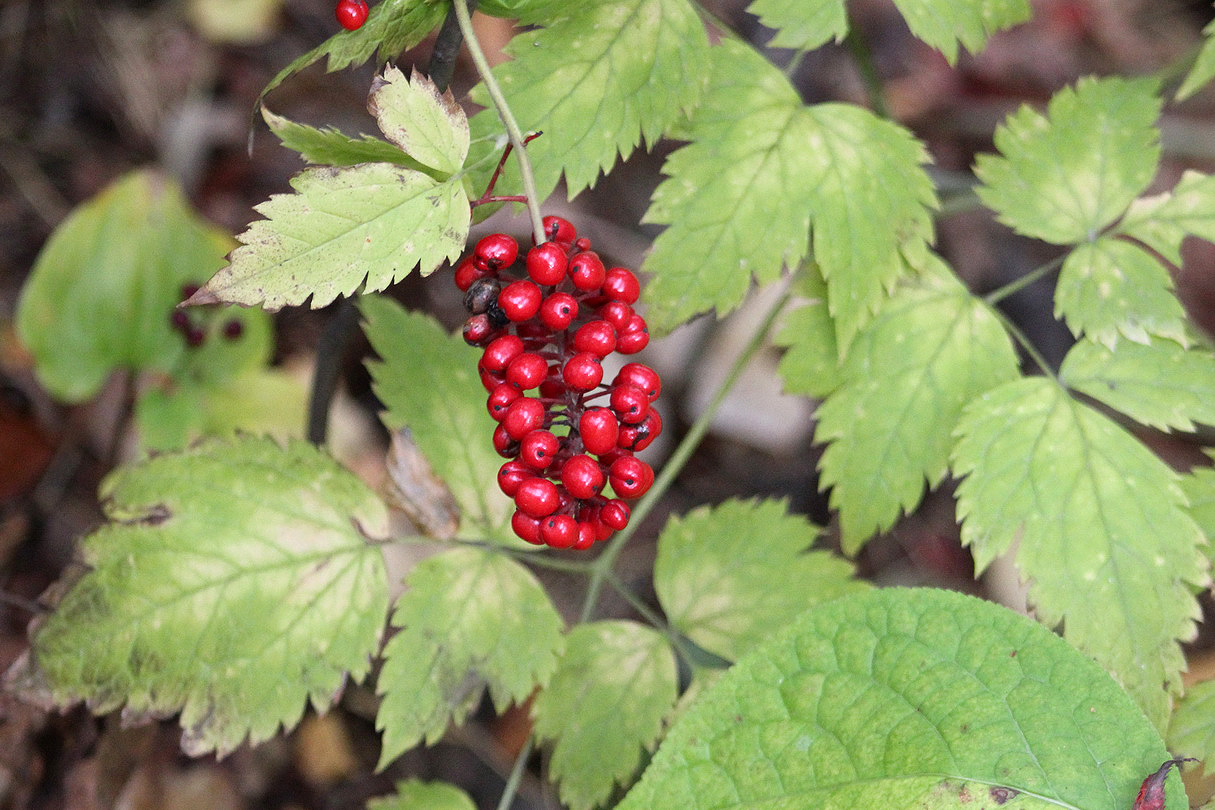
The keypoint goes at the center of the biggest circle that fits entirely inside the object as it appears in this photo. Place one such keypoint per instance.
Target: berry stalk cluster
(546, 322)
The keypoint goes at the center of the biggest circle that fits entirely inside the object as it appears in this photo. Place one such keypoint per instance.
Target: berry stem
(605, 563)
(508, 119)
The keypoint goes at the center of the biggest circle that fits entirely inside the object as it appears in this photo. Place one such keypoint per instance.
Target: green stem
(652, 618)
(602, 566)
(869, 75)
(516, 771)
(508, 119)
(1016, 285)
(1029, 347)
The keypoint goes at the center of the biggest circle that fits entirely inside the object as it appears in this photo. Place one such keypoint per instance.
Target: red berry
(496, 251)
(615, 513)
(537, 497)
(233, 329)
(587, 535)
(467, 273)
(180, 320)
(630, 404)
(619, 284)
(582, 372)
(630, 477)
(558, 229)
(538, 448)
(546, 264)
(511, 475)
(639, 437)
(527, 370)
(558, 310)
(640, 376)
(559, 531)
(195, 336)
(582, 476)
(599, 429)
(490, 379)
(553, 387)
(522, 417)
(477, 330)
(617, 314)
(596, 337)
(527, 528)
(500, 352)
(581, 244)
(520, 300)
(504, 444)
(500, 400)
(634, 337)
(351, 14)
(587, 271)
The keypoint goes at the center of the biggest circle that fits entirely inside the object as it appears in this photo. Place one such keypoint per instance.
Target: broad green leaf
(1107, 545)
(1192, 727)
(1163, 220)
(102, 289)
(414, 794)
(333, 148)
(802, 24)
(344, 226)
(469, 619)
(599, 78)
(730, 575)
(1064, 176)
(234, 584)
(1110, 288)
(605, 703)
(1199, 488)
(428, 382)
(902, 699)
(1160, 383)
(761, 169)
(967, 22)
(1204, 66)
(811, 364)
(933, 348)
(429, 126)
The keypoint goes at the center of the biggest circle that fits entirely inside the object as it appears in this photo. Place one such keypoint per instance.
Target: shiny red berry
(640, 436)
(559, 531)
(634, 337)
(558, 310)
(630, 477)
(640, 376)
(630, 404)
(582, 372)
(599, 430)
(511, 475)
(559, 229)
(500, 400)
(587, 271)
(522, 417)
(537, 497)
(351, 14)
(546, 264)
(538, 448)
(596, 337)
(527, 370)
(526, 527)
(477, 330)
(582, 476)
(587, 535)
(617, 313)
(615, 513)
(619, 284)
(467, 273)
(500, 352)
(496, 251)
(505, 445)
(520, 300)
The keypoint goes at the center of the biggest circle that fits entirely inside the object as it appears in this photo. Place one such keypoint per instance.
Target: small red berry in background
(351, 14)
(545, 318)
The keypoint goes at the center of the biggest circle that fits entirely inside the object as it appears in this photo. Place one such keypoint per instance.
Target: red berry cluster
(545, 330)
(351, 14)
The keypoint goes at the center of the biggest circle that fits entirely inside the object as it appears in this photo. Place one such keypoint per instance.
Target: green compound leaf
(1163, 220)
(933, 348)
(102, 289)
(606, 702)
(730, 575)
(1192, 727)
(1104, 536)
(333, 148)
(803, 24)
(469, 619)
(1110, 288)
(904, 699)
(600, 77)
(429, 126)
(1064, 176)
(414, 794)
(811, 366)
(760, 170)
(946, 25)
(234, 584)
(1161, 383)
(428, 383)
(1204, 66)
(1199, 488)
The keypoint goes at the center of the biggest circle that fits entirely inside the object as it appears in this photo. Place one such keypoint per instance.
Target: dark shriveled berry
(481, 294)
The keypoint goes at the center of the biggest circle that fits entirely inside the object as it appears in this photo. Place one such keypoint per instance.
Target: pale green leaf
(1111, 288)
(103, 288)
(469, 619)
(414, 794)
(599, 78)
(235, 584)
(1192, 727)
(730, 575)
(428, 382)
(945, 25)
(761, 168)
(333, 148)
(236, 22)
(374, 222)
(1104, 537)
(802, 24)
(933, 348)
(1163, 220)
(902, 699)
(1161, 383)
(1064, 176)
(1199, 488)
(429, 126)
(811, 364)
(1203, 69)
(606, 702)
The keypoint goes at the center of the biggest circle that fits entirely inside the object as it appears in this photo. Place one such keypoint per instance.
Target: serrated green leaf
(933, 348)
(1161, 383)
(1110, 288)
(429, 126)
(333, 148)
(762, 167)
(1192, 727)
(730, 575)
(1203, 69)
(1163, 220)
(605, 703)
(414, 794)
(811, 364)
(1104, 536)
(469, 619)
(373, 222)
(601, 77)
(946, 25)
(1199, 488)
(428, 382)
(234, 584)
(102, 289)
(1065, 176)
(802, 24)
(904, 699)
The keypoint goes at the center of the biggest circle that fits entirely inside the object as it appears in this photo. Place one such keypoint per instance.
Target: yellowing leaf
(427, 125)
